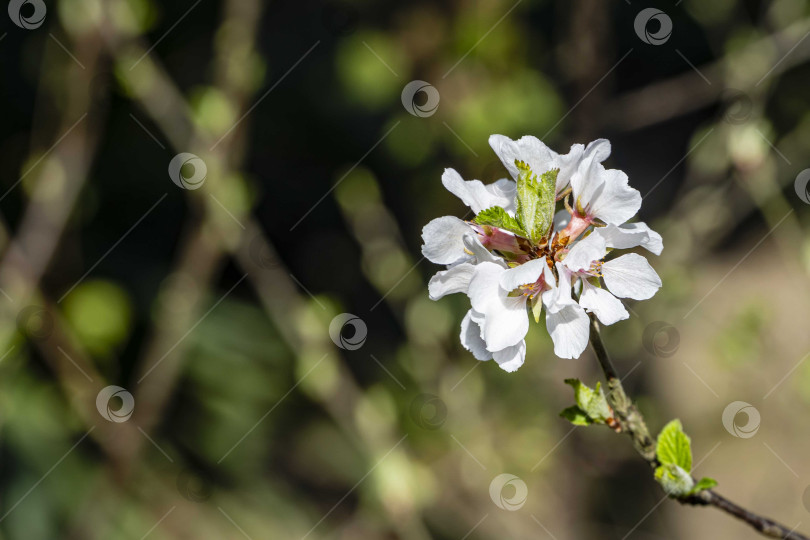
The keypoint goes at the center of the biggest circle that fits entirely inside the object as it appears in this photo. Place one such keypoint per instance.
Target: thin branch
(632, 422)
(630, 419)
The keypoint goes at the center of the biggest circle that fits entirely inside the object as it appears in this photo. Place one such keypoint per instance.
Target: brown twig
(632, 422)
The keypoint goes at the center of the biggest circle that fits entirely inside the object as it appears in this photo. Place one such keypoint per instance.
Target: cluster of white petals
(508, 277)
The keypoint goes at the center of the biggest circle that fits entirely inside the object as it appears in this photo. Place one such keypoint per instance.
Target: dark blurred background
(202, 288)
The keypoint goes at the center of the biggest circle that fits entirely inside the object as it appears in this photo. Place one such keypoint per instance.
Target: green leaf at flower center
(496, 216)
(536, 199)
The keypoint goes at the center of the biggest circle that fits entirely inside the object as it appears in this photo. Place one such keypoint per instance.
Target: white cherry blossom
(627, 276)
(513, 266)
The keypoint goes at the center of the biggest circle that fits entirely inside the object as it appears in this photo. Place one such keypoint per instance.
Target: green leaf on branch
(674, 452)
(703, 484)
(591, 404)
(675, 480)
(536, 200)
(674, 447)
(576, 416)
(496, 216)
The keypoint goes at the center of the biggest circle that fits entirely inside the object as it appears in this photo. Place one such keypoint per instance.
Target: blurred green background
(212, 307)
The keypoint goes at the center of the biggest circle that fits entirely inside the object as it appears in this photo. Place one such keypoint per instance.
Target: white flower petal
(621, 237)
(568, 163)
(559, 295)
(524, 274)
(484, 286)
(631, 276)
(569, 329)
(630, 235)
(607, 307)
(653, 242)
(511, 358)
(479, 252)
(478, 196)
(538, 156)
(529, 149)
(453, 280)
(444, 240)
(507, 324)
(505, 191)
(589, 249)
(616, 201)
(471, 338)
(586, 174)
(598, 150)
(587, 182)
(505, 320)
(561, 220)
(563, 283)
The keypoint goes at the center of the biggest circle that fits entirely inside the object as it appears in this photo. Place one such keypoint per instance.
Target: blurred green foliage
(266, 428)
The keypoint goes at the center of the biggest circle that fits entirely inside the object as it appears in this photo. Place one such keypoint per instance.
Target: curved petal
(559, 295)
(587, 183)
(568, 163)
(607, 307)
(479, 252)
(471, 338)
(598, 150)
(631, 276)
(541, 158)
(630, 235)
(577, 287)
(569, 329)
(616, 202)
(444, 240)
(621, 237)
(484, 286)
(504, 190)
(586, 174)
(586, 251)
(453, 280)
(529, 149)
(511, 358)
(505, 320)
(653, 242)
(478, 196)
(524, 274)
